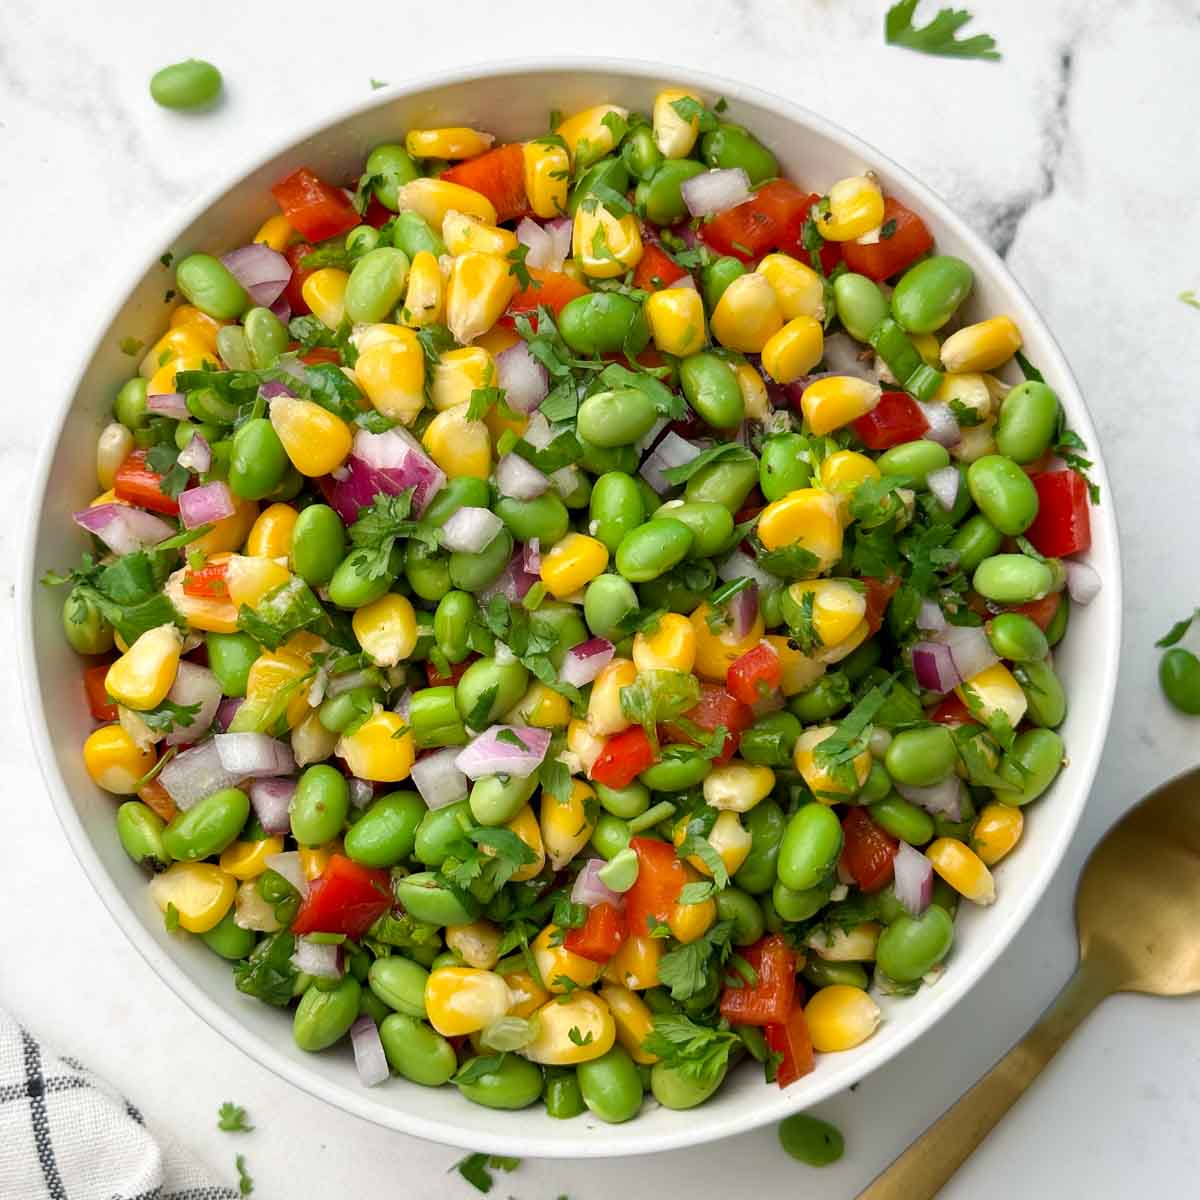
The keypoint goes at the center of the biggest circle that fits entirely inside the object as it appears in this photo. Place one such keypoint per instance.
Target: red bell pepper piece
(1063, 524)
(879, 596)
(293, 292)
(655, 892)
(770, 1000)
(909, 239)
(137, 484)
(345, 898)
(952, 711)
(601, 936)
(547, 289)
(656, 270)
(755, 675)
(792, 1042)
(315, 209)
(625, 756)
(100, 706)
(209, 582)
(321, 354)
(437, 679)
(867, 851)
(375, 214)
(773, 217)
(895, 419)
(716, 708)
(499, 175)
(1041, 612)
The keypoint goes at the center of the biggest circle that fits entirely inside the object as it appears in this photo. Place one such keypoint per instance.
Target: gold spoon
(1136, 912)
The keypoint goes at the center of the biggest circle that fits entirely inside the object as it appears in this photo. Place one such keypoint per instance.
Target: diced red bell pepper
(716, 708)
(909, 239)
(896, 419)
(624, 757)
(345, 898)
(321, 354)
(499, 175)
(770, 1000)
(879, 593)
(1063, 524)
(792, 1042)
(1041, 612)
(773, 217)
(100, 706)
(457, 670)
(655, 892)
(793, 244)
(952, 711)
(315, 209)
(755, 675)
(867, 851)
(375, 214)
(293, 293)
(208, 582)
(156, 797)
(547, 289)
(137, 484)
(656, 270)
(601, 936)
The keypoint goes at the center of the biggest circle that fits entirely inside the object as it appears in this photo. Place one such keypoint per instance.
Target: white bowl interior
(513, 101)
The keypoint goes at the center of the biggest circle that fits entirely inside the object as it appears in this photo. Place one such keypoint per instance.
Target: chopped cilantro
(730, 450)
(695, 1051)
(836, 754)
(231, 1118)
(375, 533)
(376, 84)
(1174, 635)
(476, 1068)
(690, 109)
(939, 36)
(169, 715)
(685, 969)
(803, 627)
(131, 346)
(171, 917)
(476, 1168)
(245, 1183)
(1189, 298)
(657, 696)
(518, 270)
(284, 610)
(966, 416)
(579, 1039)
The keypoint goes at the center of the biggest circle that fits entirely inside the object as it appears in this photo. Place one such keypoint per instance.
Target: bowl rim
(953, 986)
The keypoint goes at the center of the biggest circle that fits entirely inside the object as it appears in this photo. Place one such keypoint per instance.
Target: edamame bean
(878, 784)
(400, 984)
(84, 625)
(569, 629)
(711, 524)
(474, 572)
(616, 508)
(858, 664)
(427, 571)
(730, 146)
(266, 337)
(712, 390)
(599, 459)
(781, 468)
(228, 939)
(515, 1083)
(208, 284)
(346, 711)
(1179, 677)
(627, 802)
(914, 461)
(506, 682)
(1003, 492)
(765, 823)
(413, 1050)
(824, 699)
(193, 83)
(564, 1099)
(640, 154)
(860, 304)
(660, 198)
(376, 285)
(426, 897)
(386, 833)
(1012, 579)
(798, 905)
(921, 757)
(672, 1089)
(233, 348)
(324, 1017)
(611, 172)
(362, 239)
(811, 845)
(230, 657)
(318, 544)
(604, 323)
(680, 768)
(258, 460)
(1057, 628)
(1030, 766)
(615, 418)
(496, 799)
(771, 740)
(390, 167)
(451, 624)
(929, 293)
(821, 972)
(1027, 421)
(716, 276)
(545, 517)
(653, 548)
(810, 1140)
(130, 405)
(1015, 637)
(903, 820)
(1043, 693)
(208, 826)
(728, 481)
(140, 830)
(607, 600)
(610, 836)
(611, 1086)
(320, 805)
(977, 538)
(742, 909)
(911, 946)
(439, 830)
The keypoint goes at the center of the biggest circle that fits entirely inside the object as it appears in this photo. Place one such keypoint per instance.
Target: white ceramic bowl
(512, 100)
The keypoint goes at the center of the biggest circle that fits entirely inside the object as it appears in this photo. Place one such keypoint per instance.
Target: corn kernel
(748, 314)
(547, 173)
(460, 446)
(187, 342)
(969, 389)
(670, 646)
(996, 831)
(605, 246)
(755, 399)
(558, 966)
(460, 1000)
(434, 198)
(525, 826)
(572, 562)
(311, 741)
(575, 1030)
(276, 232)
(316, 440)
(928, 348)
(380, 750)
(799, 289)
(542, 707)
(479, 290)
(994, 690)
(272, 671)
(674, 135)
(113, 447)
(324, 292)
(458, 374)
(565, 824)
(604, 716)
(200, 323)
(983, 346)
(212, 614)
(114, 761)
(808, 518)
(856, 944)
(249, 579)
(454, 142)
(840, 1017)
(386, 629)
(690, 922)
(844, 470)
(716, 652)
(425, 298)
(314, 859)
(587, 136)
(836, 607)
(271, 534)
(962, 869)
(836, 400)
(229, 533)
(975, 442)
(462, 233)
(633, 1020)
(828, 784)
(635, 965)
(477, 943)
(200, 892)
(248, 860)
(794, 350)
(855, 208)
(526, 993)
(392, 373)
(141, 678)
(798, 671)
(727, 837)
(738, 786)
(676, 317)
(584, 745)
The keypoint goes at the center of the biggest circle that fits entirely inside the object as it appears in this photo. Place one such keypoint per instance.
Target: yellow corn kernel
(311, 741)
(603, 245)
(271, 534)
(386, 629)
(799, 289)
(276, 232)
(970, 389)
(185, 342)
(199, 323)
(381, 750)
(748, 314)
(856, 944)
(976, 441)
(840, 1017)
(558, 966)
(141, 678)
(248, 860)
(808, 518)
(229, 533)
(855, 208)
(272, 671)
(727, 838)
(526, 993)
(738, 786)
(462, 233)
(794, 350)
(994, 690)
(574, 1030)
(565, 824)
(458, 374)
(674, 135)
(479, 290)
(583, 744)
(633, 1020)
(547, 173)
(200, 612)
(392, 373)
(676, 316)
(671, 646)
(690, 922)
(962, 869)
(587, 136)
(460, 446)
(249, 579)
(798, 670)
(477, 943)
(836, 400)
(844, 470)
(366, 336)
(525, 826)
(453, 142)
(113, 447)
(314, 859)
(542, 707)
(928, 348)
(434, 198)
(316, 440)
(755, 399)
(996, 831)
(635, 965)
(983, 346)
(604, 715)
(162, 382)
(425, 299)
(461, 1000)
(109, 497)
(495, 341)
(716, 652)
(200, 892)
(571, 563)
(324, 291)
(114, 761)
(820, 779)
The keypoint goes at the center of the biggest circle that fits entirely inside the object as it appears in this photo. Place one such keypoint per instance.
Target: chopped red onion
(123, 528)
(390, 463)
(560, 231)
(226, 711)
(282, 309)
(470, 530)
(196, 455)
(168, 404)
(584, 662)
(514, 582)
(715, 191)
(438, 780)
(263, 272)
(273, 390)
(741, 565)
(193, 684)
(944, 484)
(362, 792)
(933, 665)
(961, 652)
(524, 380)
(914, 879)
(591, 890)
(197, 773)
(531, 556)
(520, 753)
(930, 616)
(743, 611)
(254, 755)
(672, 451)
(1083, 581)
(288, 865)
(369, 1057)
(539, 242)
(206, 505)
(945, 797)
(943, 428)
(319, 959)
(271, 800)
(519, 479)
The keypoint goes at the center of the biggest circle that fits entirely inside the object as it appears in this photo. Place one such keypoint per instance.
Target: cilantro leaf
(938, 37)
(1175, 634)
(1189, 298)
(231, 1118)
(245, 1182)
(657, 696)
(731, 450)
(268, 974)
(695, 1051)
(476, 1068)
(685, 969)
(518, 270)
(853, 733)
(375, 533)
(802, 625)
(476, 1169)
(690, 109)
(284, 610)
(169, 715)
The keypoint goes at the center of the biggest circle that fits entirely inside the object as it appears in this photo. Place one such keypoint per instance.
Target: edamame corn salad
(567, 616)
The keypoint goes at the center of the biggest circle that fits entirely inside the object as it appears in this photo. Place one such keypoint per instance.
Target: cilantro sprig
(939, 36)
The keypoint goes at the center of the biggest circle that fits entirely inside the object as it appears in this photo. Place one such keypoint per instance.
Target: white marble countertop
(1076, 155)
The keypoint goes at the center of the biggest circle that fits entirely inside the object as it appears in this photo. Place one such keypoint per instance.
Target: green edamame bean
(607, 600)
(929, 293)
(413, 1050)
(878, 785)
(208, 284)
(346, 711)
(615, 418)
(1044, 693)
(506, 681)
(84, 625)
(616, 508)
(433, 715)
(799, 904)
(370, 1005)
(193, 83)
(1027, 421)
(911, 946)
(859, 663)
(728, 481)
(318, 544)
(426, 897)
(860, 304)
(391, 167)
(1056, 630)
(604, 323)
(568, 629)
(765, 823)
(771, 740)
(140, 830)
(1015, 637)
(1030, 766)
(412, 234)
(903, 820)
(258, 460)
(611, 172)
(324, 1016)
(427, 571)
(772, 921)
(228, 939)
(675, 1090)
(230, 657)
(515, 1083)
(781, 469)
(712, 389)
(362, 239)
(1179, 678)
(611, 1086)
(627, 802)
(233, 348)
(386, 833)
(742, 909)
(474, 572)
(610, 836)
(1012, 579)
(1003, 492)
(400, 984)
(376, 285)
(545, 518)
(564, 1099)
(682, 768)
(944, 896)
(653, 548)
(711, 524)
(902, 706)
(811, 844)
(600, 459)
(914, 461)
(826, 698)
(208, 826)
(976, 539)
(660, 198)
(266, 337)
(730, 146)
(820, 972)
(130, 405)
(921, 757)
(810, 1140)
(439, 829)
(716, 276)
(320, 805)
(640, 154)
(496, 799)
(451, 624)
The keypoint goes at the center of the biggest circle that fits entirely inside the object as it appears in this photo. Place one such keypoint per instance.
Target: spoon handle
(927, 1165)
